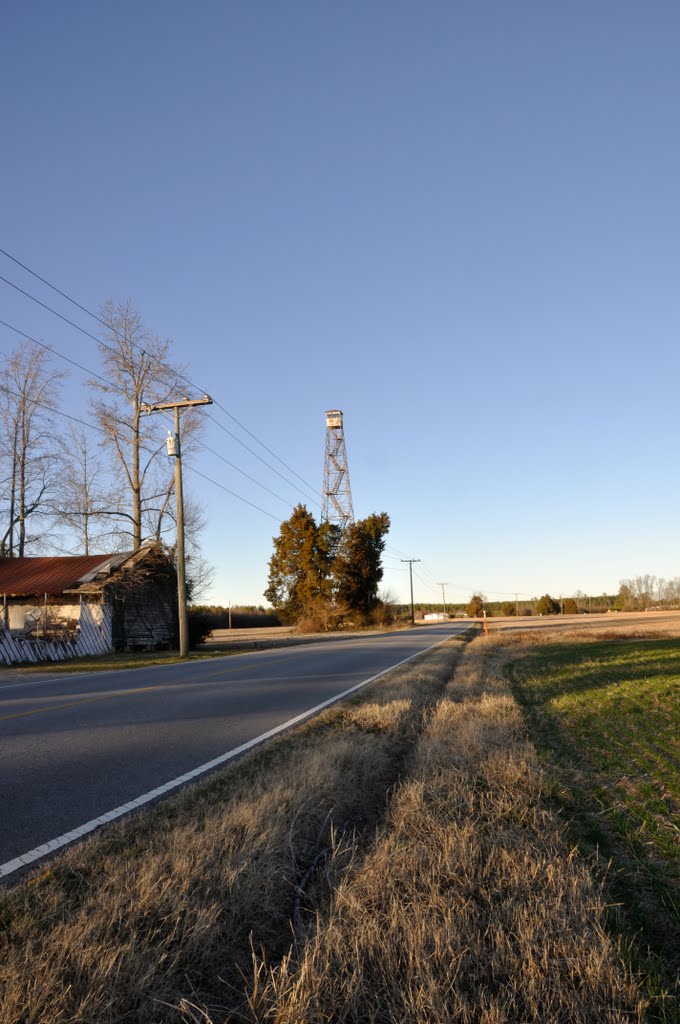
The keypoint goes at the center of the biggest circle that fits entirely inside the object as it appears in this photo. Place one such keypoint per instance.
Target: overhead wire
(241, 471)
(116, 387)
(50, 408)
(93, 426)
(193, 469)
(425, 568)
(455, 586)
(425, 583)
(264, 461)
(109, 348)
(160, 362)
(61, 355)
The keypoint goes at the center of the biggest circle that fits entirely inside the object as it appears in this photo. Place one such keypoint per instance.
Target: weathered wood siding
(92, 636)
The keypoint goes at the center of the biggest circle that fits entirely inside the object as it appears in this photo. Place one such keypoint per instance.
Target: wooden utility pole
(173, 444)
(442, 585)
(410, 570)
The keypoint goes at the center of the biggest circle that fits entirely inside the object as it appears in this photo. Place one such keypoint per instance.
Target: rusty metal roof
(28, 577)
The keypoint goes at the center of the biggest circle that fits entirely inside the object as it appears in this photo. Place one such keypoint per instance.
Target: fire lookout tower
(337, 495)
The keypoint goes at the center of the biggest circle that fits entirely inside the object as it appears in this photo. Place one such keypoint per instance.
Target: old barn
(63, 606)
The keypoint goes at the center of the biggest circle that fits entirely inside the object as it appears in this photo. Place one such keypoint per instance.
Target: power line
(241, 471)
(66, 320)
(115, 387)
(456, 586)
(263, 461)
(233, 493)
(391, 547)
(165, 366)
(60, 355)
(50, 408)
(486, 590)
(100, 430)
(429, 572)
(179, 376)
(267, 449)
(425, 583)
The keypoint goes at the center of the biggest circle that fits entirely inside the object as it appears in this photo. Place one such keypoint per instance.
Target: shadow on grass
(594, 666)
(595, 795)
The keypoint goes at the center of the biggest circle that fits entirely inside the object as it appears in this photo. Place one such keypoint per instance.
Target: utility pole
(173, 445)
(442, 585)
(516, 607)
(410, 571)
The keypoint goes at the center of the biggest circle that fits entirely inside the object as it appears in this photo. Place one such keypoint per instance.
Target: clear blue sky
(458, 222)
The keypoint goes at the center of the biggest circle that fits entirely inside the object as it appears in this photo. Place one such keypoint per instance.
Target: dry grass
(161, 911)
(615, 622)
(395, 860)
(469, 906)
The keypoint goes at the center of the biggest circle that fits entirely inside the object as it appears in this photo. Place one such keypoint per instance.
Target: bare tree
(136, 363)
(28, 446)
(84, 502)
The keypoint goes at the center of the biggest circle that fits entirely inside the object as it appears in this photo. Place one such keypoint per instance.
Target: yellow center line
(75, 703)
(120, 693)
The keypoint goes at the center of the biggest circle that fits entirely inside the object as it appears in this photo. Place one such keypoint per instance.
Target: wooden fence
(91, 636)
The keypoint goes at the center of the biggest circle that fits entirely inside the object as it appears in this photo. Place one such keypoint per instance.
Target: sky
(457, 222)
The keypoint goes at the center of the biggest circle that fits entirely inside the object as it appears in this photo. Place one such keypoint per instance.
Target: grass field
(605, 714)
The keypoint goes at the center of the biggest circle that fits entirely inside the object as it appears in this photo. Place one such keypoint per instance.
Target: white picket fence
(93, 636)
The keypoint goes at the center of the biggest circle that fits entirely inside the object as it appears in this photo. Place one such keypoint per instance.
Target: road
(79, 748)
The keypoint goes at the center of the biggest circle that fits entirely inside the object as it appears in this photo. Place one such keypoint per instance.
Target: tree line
(639, 593)
(64, 490)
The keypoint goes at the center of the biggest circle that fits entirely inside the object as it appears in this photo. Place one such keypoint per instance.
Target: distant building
(435, 617)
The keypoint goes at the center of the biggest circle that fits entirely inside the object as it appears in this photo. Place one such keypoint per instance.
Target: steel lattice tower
(337, 495)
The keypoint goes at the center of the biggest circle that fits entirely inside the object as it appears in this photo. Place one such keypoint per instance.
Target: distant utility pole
(442, 585)
(174, 448)
(516, 607)
(410, 571)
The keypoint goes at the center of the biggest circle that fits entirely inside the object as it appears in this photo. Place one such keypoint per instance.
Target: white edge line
(50, 845)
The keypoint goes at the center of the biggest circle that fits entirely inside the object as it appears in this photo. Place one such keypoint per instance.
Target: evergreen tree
(299, 569)
(318, 574)
(547, 605)
(476, 606)
(357, 568)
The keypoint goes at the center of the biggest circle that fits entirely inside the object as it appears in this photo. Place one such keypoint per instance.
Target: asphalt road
(74, 749)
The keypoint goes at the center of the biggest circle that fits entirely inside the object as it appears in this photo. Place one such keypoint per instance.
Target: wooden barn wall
(144, 612)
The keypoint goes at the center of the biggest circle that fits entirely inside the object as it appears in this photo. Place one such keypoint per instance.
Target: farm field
(664, 622)
(604, 712)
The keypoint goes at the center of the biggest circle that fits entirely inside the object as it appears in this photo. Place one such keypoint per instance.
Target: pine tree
(357, 568)
(299, 569)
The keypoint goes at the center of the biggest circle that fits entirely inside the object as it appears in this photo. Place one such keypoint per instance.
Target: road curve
(79, 748)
